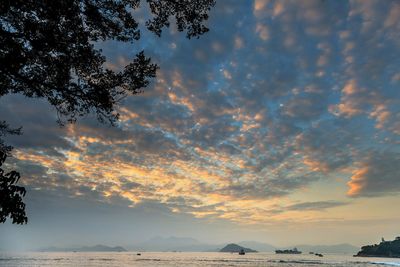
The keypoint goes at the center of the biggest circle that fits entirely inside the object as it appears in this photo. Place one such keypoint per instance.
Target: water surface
(114, 259)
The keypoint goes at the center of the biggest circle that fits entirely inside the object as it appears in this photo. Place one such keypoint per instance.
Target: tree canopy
(11, 204)
(47, 50)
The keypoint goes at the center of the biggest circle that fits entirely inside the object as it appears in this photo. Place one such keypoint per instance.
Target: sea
(186, 259)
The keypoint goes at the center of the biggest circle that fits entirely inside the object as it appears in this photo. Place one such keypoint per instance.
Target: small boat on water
(241, 252)
(288, 251)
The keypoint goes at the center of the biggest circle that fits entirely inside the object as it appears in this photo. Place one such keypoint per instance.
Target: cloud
(42, 133)
(318, 205)
(307, 107)
(329, 145)
(305, 207)
(377, 175)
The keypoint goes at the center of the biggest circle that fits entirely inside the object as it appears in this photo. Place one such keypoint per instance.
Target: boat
(241, 252)
(288, 251)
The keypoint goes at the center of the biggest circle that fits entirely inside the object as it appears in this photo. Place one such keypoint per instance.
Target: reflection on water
(184, 259)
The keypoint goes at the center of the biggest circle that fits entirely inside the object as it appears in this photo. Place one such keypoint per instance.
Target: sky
(279, 125)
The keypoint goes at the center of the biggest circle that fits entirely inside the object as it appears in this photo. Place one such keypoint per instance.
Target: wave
(387, 263)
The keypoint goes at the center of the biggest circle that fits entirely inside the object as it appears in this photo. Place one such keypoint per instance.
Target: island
(236, 248)
(389, 249)
(288, 251)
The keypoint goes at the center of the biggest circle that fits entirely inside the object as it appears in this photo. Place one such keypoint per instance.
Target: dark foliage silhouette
(6, 130)
(47, 50)
(11, 204)
(383, 249)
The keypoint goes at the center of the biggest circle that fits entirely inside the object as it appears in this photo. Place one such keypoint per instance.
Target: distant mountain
(178, 241)
(339, 248)
(259, 246)
(236, 248)
(97, 248)
(190, 244)
(168, 244)
(174, 244)
(389, 249)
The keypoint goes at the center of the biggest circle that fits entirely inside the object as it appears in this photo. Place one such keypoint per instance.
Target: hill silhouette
(236, 248)
(389, 249)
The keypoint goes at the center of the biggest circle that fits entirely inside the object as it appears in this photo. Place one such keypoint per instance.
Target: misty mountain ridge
(189, 244)
(173, 243)
(259, 246)
(96, 248)
(172, 240)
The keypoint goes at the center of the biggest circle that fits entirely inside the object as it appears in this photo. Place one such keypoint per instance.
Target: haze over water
(189, 259)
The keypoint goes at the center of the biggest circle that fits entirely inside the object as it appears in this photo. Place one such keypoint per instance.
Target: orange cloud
(357, 181)
(381, 114)
(262, 31)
